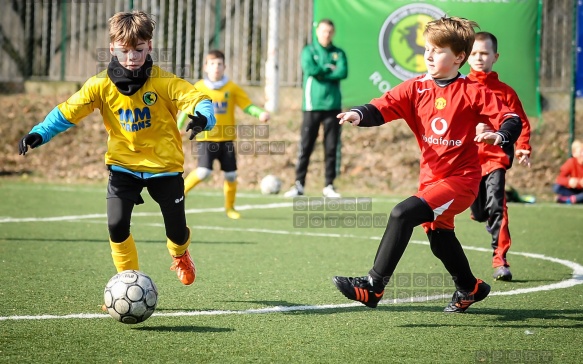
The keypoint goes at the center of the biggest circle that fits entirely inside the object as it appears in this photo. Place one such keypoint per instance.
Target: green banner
(384, 43)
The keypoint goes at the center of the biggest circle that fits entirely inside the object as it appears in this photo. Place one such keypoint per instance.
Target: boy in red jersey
(569, 183)
(442, 108)
(490, 205)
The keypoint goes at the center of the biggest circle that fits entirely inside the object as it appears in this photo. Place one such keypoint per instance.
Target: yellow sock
(178, 250)
(191, 181)
(230, 190)
(125, 254)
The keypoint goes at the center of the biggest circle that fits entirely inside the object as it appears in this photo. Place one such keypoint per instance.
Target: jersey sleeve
(83, 102)
(395, 103)
(242, 100)
(189, 99)
(185, 95)
(513, 102)
(70, 112)
(488, 105)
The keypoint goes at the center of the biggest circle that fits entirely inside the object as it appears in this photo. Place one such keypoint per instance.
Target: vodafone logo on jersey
(439, 126)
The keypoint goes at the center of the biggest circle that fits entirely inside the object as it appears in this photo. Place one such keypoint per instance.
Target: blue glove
(33, 140)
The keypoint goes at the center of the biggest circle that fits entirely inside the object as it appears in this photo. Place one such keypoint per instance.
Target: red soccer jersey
(444, 121)
(570, 169)
(493, 157)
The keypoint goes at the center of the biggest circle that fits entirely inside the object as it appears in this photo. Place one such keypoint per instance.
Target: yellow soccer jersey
(143, 135)
(224, 101)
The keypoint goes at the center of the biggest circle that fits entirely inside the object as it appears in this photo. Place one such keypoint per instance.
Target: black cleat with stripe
(461, 300)
(359, 289)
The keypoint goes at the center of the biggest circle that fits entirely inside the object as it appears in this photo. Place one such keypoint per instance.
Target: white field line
(576, 276)
(142, 214)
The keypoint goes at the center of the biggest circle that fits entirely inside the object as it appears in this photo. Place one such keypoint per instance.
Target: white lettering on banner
(378, 81)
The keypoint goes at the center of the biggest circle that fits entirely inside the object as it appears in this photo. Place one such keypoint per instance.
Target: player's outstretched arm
(53, 124)
(507, 134)
(349, 116)
(259, 113)
(365, 116)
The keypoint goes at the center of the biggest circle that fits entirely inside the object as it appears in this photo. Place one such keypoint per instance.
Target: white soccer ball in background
(130, 297)
(270, 185)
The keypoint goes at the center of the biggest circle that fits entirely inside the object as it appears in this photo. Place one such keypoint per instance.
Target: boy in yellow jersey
(220, 142)
(139, 102)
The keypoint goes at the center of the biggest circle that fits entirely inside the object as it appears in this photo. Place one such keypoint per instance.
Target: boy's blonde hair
(455, 33)
(129, 28)
(575, 147)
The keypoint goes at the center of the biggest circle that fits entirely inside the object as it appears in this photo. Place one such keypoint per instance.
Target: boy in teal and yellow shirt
(219, 143)
(138, 102)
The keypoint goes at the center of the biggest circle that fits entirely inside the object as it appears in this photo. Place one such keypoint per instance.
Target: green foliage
(55, 260)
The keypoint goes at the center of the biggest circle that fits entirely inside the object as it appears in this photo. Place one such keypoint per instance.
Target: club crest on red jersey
(440, 103)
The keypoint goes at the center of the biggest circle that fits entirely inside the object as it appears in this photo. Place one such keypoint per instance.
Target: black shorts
(224, 152)
(124, 191)
(164, 190)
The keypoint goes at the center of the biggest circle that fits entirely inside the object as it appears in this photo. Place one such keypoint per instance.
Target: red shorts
(448, 197)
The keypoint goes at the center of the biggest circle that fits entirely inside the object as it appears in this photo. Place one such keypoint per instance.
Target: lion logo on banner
(401, 43)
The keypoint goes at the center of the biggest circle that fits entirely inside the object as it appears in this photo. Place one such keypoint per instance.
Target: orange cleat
(185, 269)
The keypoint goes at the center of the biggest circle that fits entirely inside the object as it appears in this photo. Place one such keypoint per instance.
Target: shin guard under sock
(125, 254)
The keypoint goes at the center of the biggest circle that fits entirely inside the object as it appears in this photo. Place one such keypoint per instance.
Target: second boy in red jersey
(490, 205)
(442, 109)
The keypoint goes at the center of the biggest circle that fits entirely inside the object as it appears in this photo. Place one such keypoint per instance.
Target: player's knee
(411, 208)
(203, 173)
(119, 230)
(231, 176)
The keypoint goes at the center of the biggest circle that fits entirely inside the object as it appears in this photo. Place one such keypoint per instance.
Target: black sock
(448, 249)
(404, 217)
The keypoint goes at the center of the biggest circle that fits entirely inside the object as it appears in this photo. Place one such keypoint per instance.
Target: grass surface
(264, 293)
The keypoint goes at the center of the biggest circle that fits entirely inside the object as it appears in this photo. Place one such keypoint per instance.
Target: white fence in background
(68, 39)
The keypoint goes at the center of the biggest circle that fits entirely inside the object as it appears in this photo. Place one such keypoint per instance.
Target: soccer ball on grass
(130, 297)
(270, 185)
